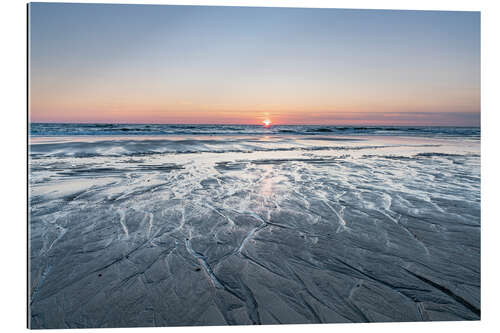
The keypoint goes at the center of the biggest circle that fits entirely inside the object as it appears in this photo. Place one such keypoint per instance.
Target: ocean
(55, 129)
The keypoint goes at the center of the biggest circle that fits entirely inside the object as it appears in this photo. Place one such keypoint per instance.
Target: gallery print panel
(204, 165)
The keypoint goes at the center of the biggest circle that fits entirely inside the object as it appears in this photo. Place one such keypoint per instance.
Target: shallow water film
(223, 230)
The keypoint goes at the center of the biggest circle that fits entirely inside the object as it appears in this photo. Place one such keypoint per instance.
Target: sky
(98, 63)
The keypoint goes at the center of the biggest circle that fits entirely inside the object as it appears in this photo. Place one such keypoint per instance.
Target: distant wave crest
(53, 129)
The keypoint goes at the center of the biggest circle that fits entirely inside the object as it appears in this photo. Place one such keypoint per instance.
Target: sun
(267, 123)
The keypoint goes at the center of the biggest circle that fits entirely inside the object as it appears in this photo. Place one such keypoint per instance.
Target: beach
(225, 225)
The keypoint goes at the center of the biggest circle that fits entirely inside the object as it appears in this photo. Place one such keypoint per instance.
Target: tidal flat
(263, 229)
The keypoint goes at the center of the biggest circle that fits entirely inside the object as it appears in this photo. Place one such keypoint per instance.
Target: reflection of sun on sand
(246, 217)
(266, 189)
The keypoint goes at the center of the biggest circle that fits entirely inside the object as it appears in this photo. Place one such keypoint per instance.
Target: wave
(132, 147)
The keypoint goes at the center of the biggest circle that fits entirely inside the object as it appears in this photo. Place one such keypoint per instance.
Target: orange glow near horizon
(77, 105)
(344, 118)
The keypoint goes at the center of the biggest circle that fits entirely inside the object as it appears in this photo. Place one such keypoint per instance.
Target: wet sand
(217, 230)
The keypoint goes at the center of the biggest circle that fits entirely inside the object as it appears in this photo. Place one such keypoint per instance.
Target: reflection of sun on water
(267, 183)
(266, 189)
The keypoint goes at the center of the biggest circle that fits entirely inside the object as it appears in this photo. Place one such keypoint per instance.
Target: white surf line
(122, 222)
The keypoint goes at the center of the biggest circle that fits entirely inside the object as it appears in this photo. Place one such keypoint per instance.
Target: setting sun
(267, 123)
